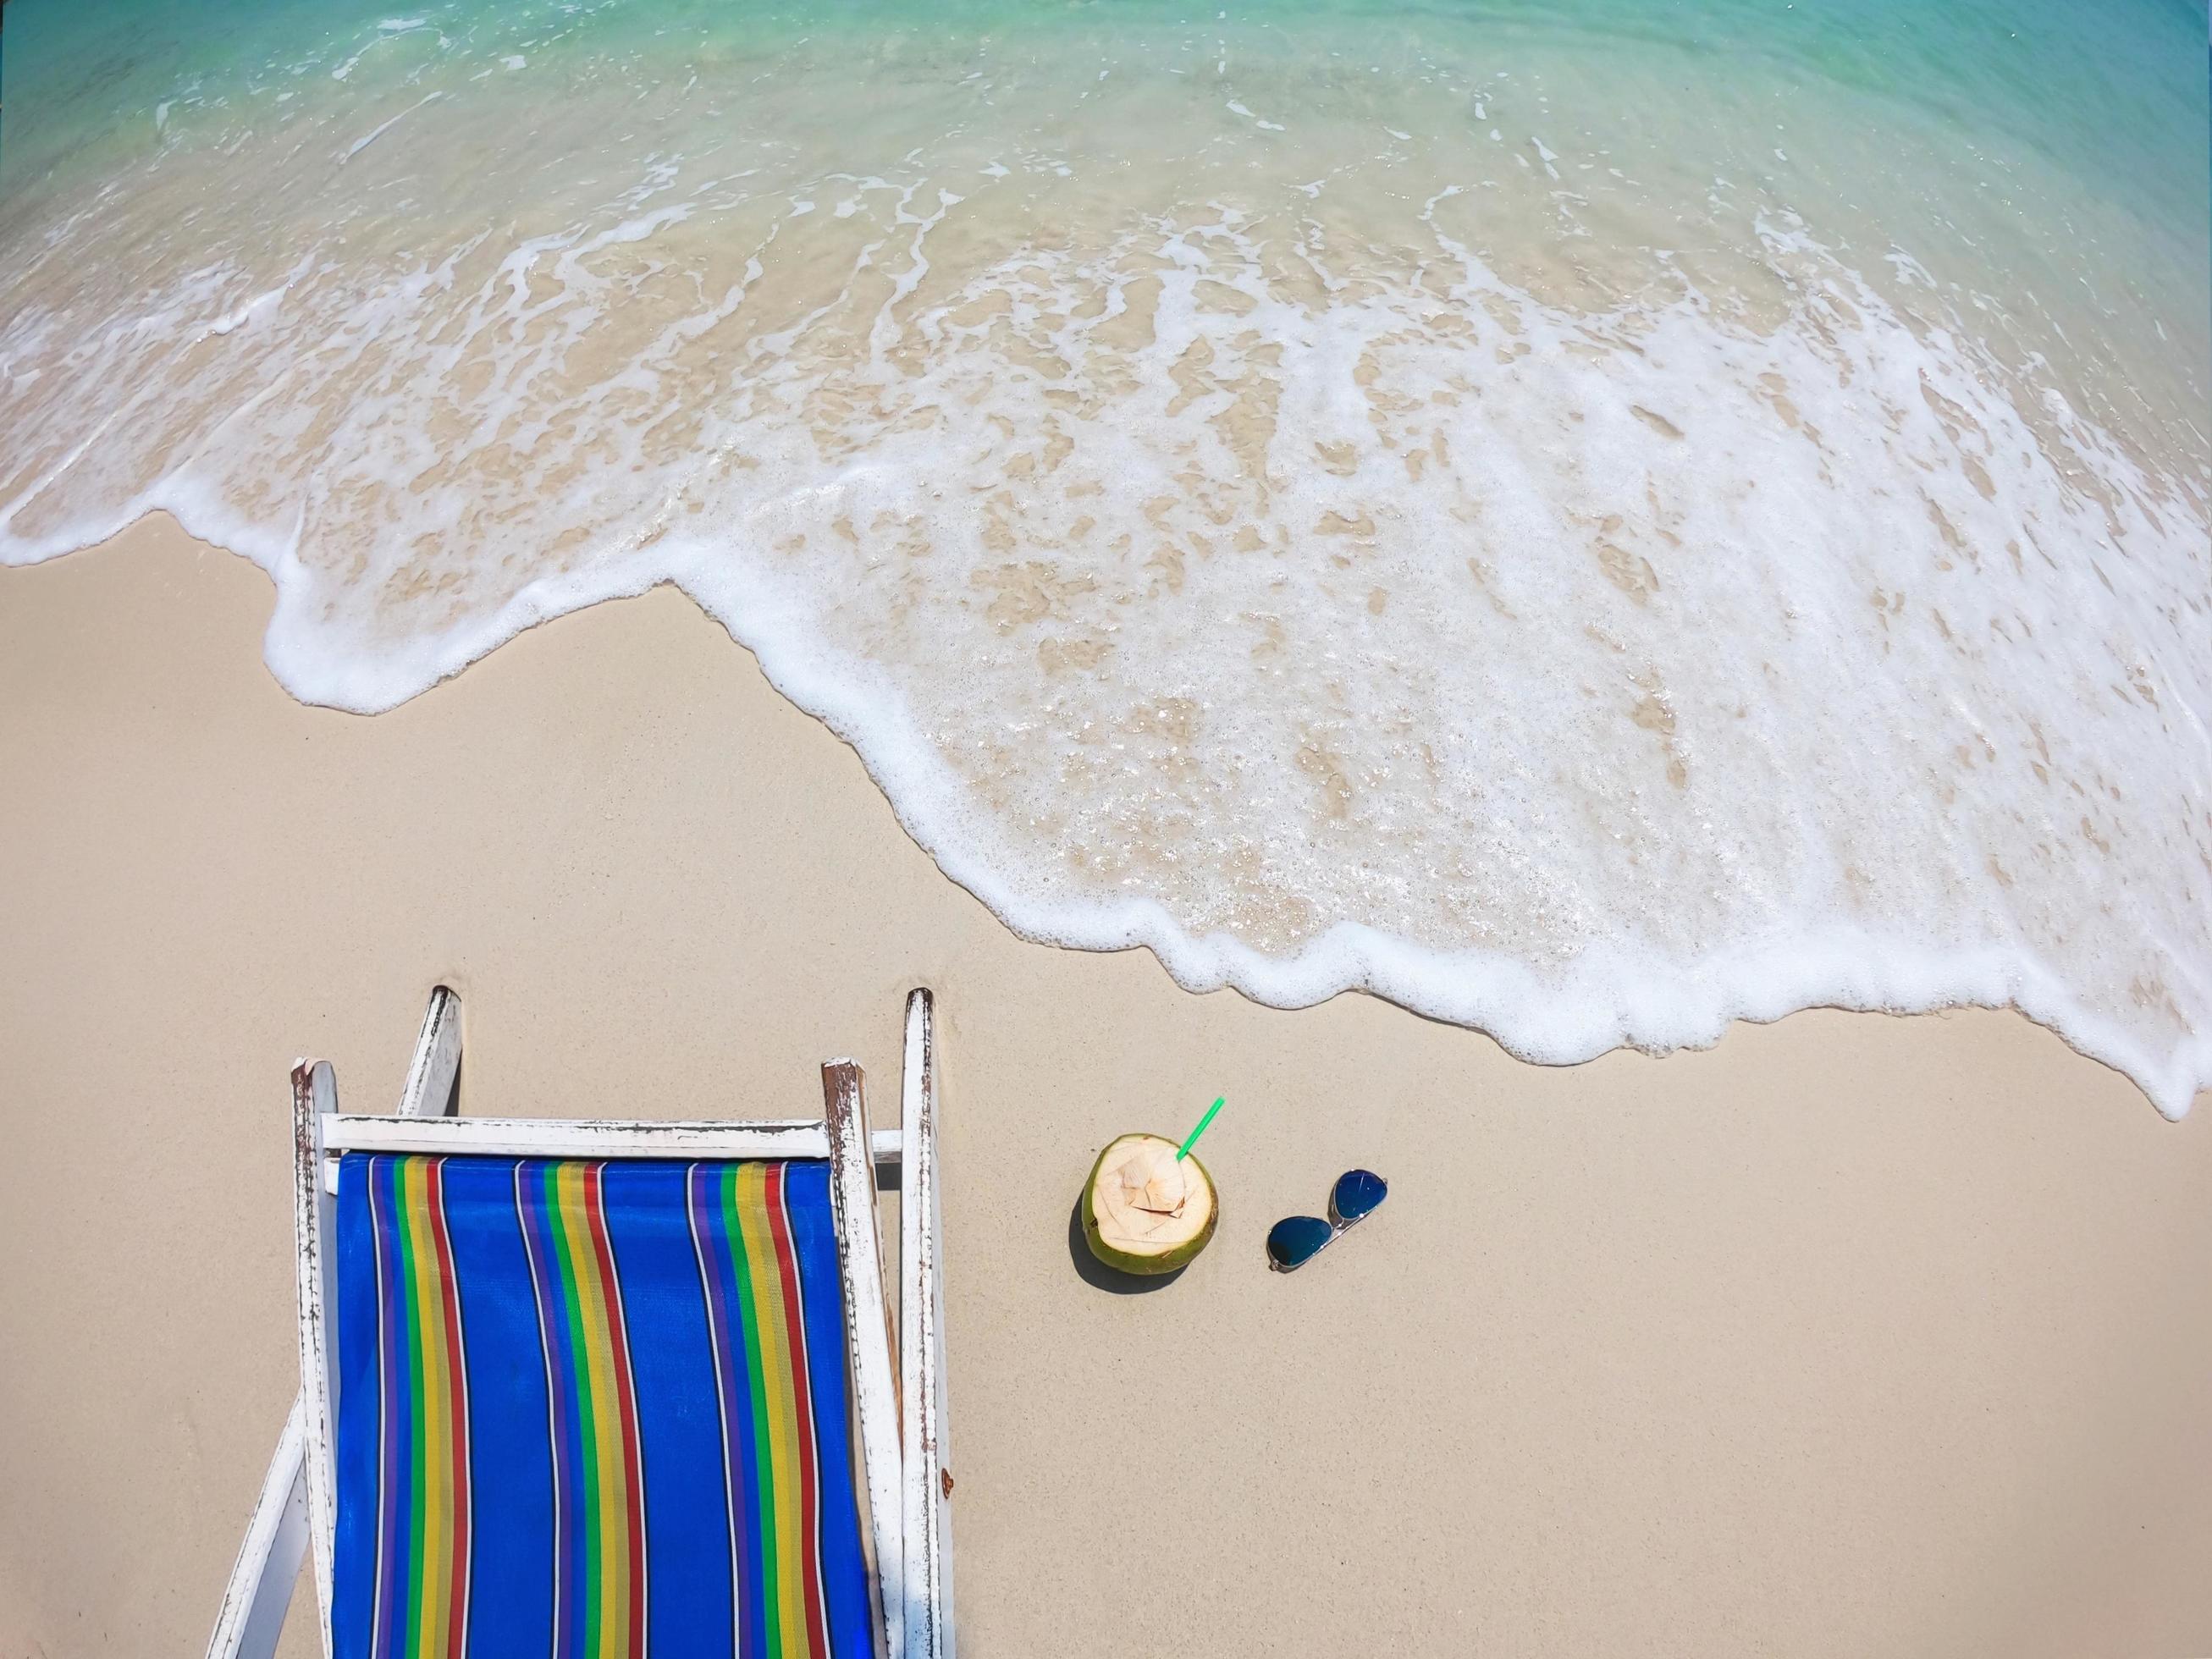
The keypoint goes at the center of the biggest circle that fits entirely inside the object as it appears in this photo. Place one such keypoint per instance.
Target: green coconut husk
(1143, 1211)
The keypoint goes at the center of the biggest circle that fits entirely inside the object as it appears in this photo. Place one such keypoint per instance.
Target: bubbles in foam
(1579, 598)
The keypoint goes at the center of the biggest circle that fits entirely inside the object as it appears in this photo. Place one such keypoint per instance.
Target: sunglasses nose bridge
(1295, 1240)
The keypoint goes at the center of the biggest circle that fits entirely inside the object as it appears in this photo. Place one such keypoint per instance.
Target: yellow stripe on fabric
(603, 1423)
(617, 1588)
(773, 1334)
(436, 1426)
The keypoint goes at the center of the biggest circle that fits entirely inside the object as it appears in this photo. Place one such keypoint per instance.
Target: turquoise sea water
(1589, 519)
(2115, 94)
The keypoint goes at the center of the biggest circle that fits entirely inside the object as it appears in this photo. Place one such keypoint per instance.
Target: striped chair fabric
(592, 1409)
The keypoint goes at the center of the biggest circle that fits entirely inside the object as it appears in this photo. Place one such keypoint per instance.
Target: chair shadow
(1096, 1273)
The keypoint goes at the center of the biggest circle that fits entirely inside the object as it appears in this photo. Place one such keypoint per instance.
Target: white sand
(1853, 1335)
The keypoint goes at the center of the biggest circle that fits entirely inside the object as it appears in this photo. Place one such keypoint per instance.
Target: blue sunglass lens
(1291, 1243)
(1358, 1192)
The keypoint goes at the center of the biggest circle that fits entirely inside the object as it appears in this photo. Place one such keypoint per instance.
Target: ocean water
(1589, 520)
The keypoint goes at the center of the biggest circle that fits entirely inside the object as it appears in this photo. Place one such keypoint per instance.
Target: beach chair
(599, 1387)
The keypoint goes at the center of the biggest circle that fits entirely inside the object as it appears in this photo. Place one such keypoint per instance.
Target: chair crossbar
(584, 1137)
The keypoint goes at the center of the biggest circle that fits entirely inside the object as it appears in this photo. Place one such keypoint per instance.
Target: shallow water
(1590, 521)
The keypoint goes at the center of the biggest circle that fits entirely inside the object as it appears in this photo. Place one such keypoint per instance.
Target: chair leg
(260, 1590)
(261, 1579)
(315, 1097)
(436, 1067)
(925, 1449)
(868, 1334)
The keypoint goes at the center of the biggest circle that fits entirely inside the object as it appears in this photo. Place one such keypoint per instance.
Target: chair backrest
(902, 1441)
(590, 1407)
(552, 1346)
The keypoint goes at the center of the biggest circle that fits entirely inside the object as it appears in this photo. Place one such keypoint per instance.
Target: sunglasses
(1295, 1241)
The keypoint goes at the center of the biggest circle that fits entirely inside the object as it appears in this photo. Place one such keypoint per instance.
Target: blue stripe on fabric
(844, 1570)
(679, 1433)
(702, 1195)
(533, 1183)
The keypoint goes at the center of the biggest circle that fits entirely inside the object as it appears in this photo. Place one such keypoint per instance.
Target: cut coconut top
(1147, 1203)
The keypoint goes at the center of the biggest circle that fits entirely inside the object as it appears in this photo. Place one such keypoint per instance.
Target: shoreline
(1850, 1333)
(1607, 1005)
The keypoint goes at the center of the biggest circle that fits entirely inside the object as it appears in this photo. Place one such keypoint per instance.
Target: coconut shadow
(1096, 1273)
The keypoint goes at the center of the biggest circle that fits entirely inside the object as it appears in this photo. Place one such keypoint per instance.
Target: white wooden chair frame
(901, 1419)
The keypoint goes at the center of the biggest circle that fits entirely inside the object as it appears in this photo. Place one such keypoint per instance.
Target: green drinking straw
(1184, 1150)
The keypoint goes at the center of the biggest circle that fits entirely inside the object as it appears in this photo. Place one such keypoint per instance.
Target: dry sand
(1852, 1336)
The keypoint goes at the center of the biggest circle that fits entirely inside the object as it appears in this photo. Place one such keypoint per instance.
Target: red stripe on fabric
(625, 1401)
(786, 1262)
(457, 1396)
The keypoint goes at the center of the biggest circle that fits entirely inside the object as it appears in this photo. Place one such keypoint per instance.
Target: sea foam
(1591, 600)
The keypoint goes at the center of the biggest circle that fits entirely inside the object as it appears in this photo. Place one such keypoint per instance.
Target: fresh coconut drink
(1149, 1207)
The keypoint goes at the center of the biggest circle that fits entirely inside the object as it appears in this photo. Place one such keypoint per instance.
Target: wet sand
(1853, 1335)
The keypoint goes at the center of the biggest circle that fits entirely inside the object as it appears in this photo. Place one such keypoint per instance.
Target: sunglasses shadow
(1096, 1273)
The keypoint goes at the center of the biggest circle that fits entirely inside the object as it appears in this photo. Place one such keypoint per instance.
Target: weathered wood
(925, 1450)
(868, 1333)
(436, 1068)
(557, 1137)
(314, 1100)
(259, 1593)
(260, 1589)
(898, 1376)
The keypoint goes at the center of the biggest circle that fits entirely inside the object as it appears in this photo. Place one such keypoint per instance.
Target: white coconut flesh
(1146, 1202)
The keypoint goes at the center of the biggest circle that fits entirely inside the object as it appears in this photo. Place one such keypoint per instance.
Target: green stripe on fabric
(419, 1475)
(587, 1437)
